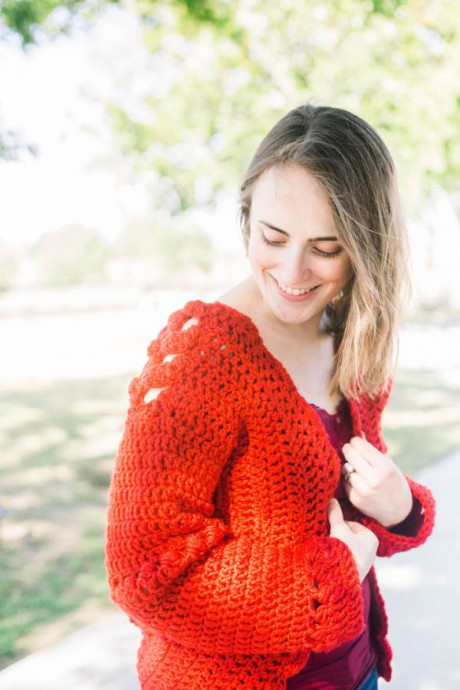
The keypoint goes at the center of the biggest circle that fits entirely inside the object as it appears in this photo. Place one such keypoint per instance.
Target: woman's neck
(305, 350)
(246, 298)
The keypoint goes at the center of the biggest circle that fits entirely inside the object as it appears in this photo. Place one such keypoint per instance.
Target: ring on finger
(348, 473)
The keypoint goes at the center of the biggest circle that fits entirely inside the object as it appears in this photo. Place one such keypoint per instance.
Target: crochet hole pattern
(191, 322)
(153, 393)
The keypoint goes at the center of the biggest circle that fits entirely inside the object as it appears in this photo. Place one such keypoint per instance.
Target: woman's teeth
(294, 291)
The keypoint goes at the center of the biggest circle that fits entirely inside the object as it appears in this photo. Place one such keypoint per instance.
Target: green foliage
(200, 9)
(70, 256)
(222, 73)
(22, 16)
(176, 252)
(25, 17)
(226, 71)
(222, 87)
(28, 18)
(386, 7)
(191, 12)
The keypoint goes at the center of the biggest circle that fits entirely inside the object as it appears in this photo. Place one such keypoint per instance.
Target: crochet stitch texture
(217, 540)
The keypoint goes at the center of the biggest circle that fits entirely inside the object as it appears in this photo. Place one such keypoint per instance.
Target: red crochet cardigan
(217, 544)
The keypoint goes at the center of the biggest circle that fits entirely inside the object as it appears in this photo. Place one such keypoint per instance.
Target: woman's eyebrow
(273, 227)
(331, 238)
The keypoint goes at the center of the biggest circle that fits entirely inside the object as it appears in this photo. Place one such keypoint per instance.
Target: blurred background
(124, 130)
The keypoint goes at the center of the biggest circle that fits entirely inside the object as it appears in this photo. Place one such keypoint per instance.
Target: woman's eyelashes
(319, 252)
(273, 243)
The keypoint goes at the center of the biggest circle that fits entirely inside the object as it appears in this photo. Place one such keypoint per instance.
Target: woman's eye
(321, 252)
(272, 243)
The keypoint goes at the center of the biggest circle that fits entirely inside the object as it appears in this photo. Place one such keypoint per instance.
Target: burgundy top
(346, 666)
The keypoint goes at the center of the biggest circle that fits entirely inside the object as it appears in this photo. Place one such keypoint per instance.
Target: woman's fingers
(334, 513)
(358, 463)
(354, 482)
(369, 453)
(337, 524)
(374, 484)
(360, 540)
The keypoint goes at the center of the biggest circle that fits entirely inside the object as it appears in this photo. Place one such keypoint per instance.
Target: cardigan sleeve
(390, 540)
(173, 564)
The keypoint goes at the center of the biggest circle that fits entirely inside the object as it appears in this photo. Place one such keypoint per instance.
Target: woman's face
(297, 260)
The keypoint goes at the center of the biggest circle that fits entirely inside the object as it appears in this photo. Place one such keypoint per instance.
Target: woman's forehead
(286, 179)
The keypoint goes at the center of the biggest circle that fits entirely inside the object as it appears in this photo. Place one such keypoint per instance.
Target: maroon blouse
(346, 666)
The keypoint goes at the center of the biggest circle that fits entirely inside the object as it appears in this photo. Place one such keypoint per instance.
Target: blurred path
(420, 589)
(100, 656)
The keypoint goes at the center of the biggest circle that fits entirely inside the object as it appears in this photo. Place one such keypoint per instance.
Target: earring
(337, 298)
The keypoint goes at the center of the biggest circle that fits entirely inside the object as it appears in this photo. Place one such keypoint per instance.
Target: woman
(252, 489)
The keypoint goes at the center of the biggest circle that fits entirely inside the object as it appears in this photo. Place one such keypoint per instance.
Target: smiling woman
(297, 260)
(252, 489)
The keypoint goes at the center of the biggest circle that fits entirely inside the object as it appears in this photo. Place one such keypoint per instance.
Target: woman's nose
(297, 268)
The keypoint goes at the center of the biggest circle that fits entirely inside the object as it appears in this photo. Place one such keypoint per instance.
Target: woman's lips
(294, 294)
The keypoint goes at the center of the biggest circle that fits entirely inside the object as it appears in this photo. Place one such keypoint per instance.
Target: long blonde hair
(354, 167)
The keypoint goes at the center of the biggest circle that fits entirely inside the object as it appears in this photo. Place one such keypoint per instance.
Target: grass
(57, 442)
(421, 421)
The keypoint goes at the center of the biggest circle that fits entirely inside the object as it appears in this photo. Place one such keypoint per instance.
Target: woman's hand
(361, 541)
(374, 484)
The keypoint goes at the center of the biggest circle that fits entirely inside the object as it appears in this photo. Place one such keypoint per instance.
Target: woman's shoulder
(241, 298)
(196, 347)
(200, 323)
(231, 317)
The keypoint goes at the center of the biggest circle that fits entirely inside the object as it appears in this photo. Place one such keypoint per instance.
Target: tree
(70, 256)
(31, 20)
(220, 88)
(174, 250)
(228, 70)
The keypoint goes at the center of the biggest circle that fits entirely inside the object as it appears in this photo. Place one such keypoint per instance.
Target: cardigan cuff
(411, 525)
